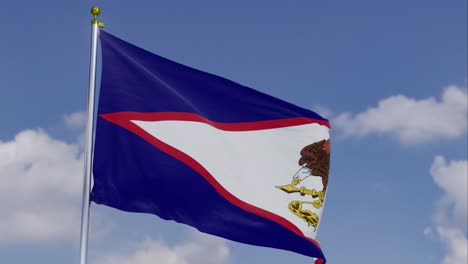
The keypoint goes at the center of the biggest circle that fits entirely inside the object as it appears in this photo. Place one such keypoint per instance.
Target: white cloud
(41, 182)
(456, 244)
(75, 120)
(201, 249)
(452, 178)
(450, 216)
(411, 120)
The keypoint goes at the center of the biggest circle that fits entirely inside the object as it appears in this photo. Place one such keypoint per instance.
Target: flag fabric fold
(204, 151)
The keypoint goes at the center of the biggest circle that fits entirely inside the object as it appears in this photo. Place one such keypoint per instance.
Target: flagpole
(95, 25)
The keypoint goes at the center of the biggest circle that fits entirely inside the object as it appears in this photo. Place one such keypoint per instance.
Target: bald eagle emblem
(315, 162)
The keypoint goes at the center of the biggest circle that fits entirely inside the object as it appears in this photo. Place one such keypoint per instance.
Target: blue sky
(390, 75)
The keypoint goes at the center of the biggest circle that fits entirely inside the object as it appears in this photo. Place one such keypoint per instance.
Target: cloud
(412, 121)
(450, 216)
(456, 244)
(40, 190)
(75, 120)
(452, 178)
(201, 249)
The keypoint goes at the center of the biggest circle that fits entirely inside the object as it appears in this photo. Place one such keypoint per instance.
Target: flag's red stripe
(241, 126)
(124, 119)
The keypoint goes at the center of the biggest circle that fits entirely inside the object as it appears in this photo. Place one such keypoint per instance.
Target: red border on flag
(124, 119)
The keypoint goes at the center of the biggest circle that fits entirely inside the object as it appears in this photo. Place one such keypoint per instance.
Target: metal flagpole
(95, 25)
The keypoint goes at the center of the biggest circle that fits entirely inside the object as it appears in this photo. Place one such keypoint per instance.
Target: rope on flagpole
(95, 25)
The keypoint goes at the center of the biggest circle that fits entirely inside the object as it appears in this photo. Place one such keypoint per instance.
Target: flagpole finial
(95, 11)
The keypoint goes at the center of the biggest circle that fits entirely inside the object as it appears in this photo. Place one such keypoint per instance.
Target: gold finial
(95, 11)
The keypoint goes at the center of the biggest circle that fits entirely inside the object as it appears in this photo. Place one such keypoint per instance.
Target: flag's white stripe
(248, 164)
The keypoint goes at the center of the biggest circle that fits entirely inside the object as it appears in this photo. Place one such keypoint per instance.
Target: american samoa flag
(204, 151)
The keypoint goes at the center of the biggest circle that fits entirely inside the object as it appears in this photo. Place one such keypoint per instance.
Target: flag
(207, 152)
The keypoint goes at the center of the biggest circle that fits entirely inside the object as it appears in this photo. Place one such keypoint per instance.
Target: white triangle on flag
(248, 164)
